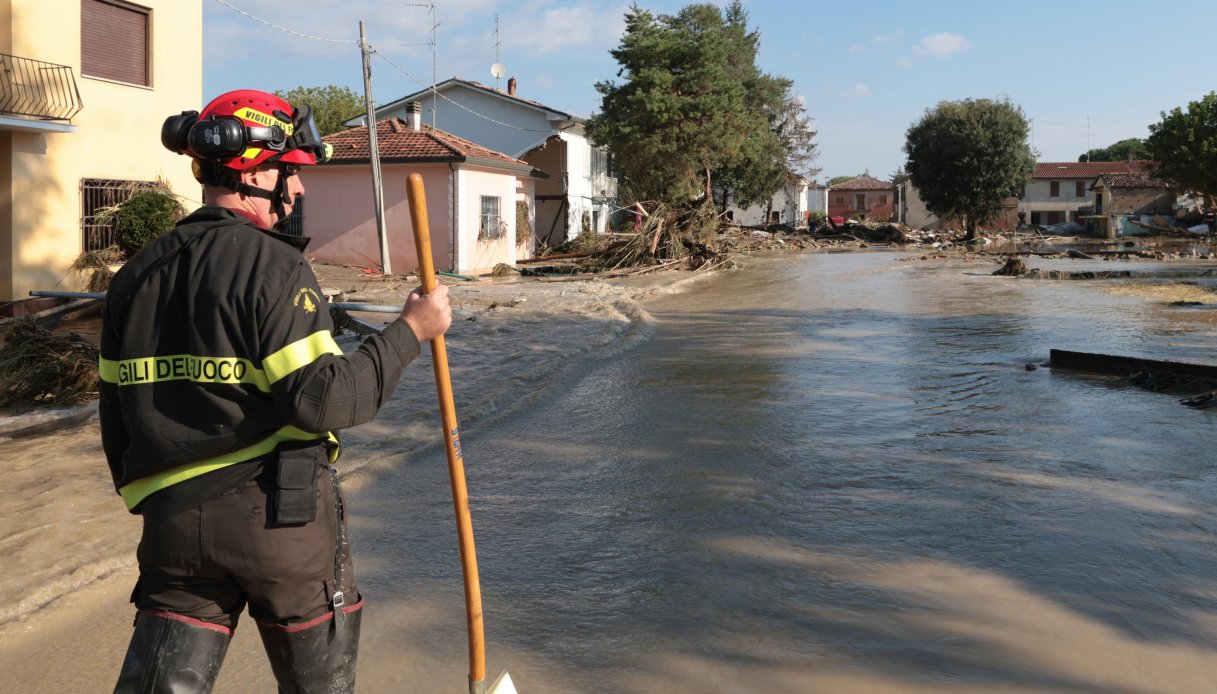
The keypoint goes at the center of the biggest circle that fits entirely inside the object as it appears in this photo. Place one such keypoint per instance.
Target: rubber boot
(317, 659)
(170, 654)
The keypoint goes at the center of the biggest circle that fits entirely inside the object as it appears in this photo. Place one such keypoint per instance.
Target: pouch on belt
(294, 498)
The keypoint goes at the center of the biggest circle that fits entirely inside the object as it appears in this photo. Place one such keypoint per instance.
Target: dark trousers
(208, 562)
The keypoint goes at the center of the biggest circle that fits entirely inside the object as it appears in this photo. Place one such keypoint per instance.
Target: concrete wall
(117, 136)
(340, 217)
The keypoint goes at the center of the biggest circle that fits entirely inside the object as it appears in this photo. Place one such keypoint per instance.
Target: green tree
(331, 105)
(687, 106)
(773, 157)
(1131, 148)
(966, 157)
(1184, 148)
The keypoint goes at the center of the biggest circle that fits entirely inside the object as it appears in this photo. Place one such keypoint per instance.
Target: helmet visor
(307, 137)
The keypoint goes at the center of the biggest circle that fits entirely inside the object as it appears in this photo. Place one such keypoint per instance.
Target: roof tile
(397, 141)
(1086, 169)
(865, 182)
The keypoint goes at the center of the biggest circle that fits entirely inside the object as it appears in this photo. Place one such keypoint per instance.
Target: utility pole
(374, 155)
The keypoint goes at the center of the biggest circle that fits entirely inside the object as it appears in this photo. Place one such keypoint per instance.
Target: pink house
(480, 203)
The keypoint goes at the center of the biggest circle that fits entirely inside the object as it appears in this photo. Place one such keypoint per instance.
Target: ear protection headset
(217, 137)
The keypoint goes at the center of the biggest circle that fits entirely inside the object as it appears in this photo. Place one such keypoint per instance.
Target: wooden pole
(456, 464)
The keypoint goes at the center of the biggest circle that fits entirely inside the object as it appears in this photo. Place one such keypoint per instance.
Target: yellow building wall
(117, 136)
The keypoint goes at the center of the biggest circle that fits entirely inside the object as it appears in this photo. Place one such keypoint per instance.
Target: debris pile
(38, 367)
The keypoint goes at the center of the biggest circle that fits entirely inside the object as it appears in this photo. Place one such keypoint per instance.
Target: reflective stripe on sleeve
(137, 491)
(299, 353)
(181, 367)
(191, 367)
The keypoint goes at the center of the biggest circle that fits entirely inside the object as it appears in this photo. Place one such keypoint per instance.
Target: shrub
(142, 217)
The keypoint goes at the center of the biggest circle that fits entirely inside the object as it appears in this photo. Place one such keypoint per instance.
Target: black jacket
(217, 346)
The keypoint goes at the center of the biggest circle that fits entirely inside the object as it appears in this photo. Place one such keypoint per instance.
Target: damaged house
(1124, 198)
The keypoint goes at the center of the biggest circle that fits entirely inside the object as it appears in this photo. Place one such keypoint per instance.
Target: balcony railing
(36, 89)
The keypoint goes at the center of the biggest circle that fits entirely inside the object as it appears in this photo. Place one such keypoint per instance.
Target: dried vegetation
(38, 367)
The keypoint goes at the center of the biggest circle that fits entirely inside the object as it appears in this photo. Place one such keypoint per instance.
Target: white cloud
(904, 62)
(585, 26)
(860, 90)
(856, 48)
(941, 45)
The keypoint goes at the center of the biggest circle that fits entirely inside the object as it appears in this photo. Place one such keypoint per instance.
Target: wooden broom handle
(452, 441)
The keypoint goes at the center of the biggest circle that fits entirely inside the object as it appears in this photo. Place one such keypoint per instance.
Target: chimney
(414, 115)
(511, 86)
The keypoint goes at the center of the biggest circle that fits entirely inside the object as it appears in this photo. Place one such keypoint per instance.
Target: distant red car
(837, 221)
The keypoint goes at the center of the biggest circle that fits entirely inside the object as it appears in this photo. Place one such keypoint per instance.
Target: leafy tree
(331, 105)
(966, 157)
(1184, 147)
(773, 157)
(692, 102)
(1131, 148)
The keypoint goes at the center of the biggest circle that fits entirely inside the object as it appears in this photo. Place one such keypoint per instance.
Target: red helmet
(244, 128)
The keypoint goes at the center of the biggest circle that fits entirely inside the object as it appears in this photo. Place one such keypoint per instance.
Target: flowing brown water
(825, 473)
(833, 473)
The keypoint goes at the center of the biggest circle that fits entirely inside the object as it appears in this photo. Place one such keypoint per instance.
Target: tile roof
(397, 142)
(1136, 179)
(863, 183)
(1086, 169)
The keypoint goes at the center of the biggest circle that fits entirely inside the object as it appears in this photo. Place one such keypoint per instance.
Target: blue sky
(1085, 74)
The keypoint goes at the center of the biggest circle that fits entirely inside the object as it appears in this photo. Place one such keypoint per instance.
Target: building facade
(864, 197)
(580, 192)
(480, 203)
(84, 88)
(1059, 192)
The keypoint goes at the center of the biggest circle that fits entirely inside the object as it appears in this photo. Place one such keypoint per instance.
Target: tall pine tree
(693, 106)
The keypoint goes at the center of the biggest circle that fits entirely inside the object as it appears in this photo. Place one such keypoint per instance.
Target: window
(840, 200)
(1080, 189)
(114, 41)
(860, 202)
(1054, 189)
(882, 199)
(96, 196)
(491, 224)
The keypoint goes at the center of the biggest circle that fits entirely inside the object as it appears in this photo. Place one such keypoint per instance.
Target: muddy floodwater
(836, 473)
(822, 473)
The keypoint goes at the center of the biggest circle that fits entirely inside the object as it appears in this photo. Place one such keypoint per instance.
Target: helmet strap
(226, 178)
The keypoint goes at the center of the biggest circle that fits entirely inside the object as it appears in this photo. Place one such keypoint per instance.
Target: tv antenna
(434, 26)
(497, 70)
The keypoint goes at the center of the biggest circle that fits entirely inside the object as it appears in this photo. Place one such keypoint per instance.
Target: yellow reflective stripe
(299, 353)
(182, 367)
(140, 489)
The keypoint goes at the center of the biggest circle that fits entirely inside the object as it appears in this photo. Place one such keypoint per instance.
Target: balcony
(36, 95)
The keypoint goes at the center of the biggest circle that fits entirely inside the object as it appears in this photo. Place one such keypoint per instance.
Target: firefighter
(222, 392)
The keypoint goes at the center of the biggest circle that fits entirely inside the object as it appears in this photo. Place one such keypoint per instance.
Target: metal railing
(37, 89)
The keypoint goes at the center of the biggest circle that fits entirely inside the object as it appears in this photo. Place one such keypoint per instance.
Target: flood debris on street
(40, 368)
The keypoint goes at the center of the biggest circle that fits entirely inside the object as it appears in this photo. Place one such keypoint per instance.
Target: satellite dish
(497, 70)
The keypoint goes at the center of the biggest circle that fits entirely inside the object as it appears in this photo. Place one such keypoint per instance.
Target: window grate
(96, 196)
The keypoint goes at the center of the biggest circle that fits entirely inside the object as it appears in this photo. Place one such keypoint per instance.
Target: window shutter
(114, 41)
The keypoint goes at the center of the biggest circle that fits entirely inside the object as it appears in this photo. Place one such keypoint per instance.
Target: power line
(384, 58)
(283, 29)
